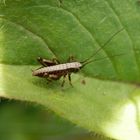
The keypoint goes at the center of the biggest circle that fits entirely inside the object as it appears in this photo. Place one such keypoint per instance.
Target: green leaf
(105, 94)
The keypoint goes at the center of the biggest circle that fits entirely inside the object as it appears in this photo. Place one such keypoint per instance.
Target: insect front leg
(64, 78)
(71, 59)
(60, 2)
(69, 76)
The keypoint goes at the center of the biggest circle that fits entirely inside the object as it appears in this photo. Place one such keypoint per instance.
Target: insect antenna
(103, 46)
(99, 59)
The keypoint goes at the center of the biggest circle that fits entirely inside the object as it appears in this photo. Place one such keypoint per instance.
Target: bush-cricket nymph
(54, 70)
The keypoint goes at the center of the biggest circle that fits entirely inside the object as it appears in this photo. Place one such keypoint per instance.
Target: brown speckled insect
(54, 70)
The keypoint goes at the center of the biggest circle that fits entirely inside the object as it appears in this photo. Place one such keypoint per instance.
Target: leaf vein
(29, 31)
(92, 36)
(130, 38)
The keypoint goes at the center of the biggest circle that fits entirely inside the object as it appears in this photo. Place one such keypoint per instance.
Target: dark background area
(29, 121)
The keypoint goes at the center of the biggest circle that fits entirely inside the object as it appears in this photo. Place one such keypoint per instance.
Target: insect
(54, 70)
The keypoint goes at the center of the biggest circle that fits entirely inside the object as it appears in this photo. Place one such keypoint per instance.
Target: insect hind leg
(46, 62)
(55, 60)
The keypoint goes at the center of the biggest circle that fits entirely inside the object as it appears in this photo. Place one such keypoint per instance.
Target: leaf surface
(105, 94)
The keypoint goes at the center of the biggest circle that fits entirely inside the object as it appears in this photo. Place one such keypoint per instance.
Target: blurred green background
(29, 121)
